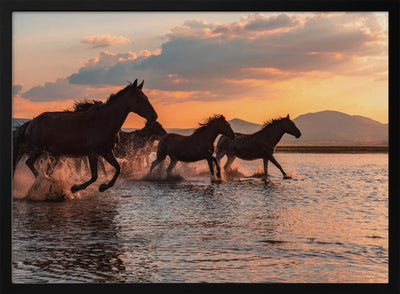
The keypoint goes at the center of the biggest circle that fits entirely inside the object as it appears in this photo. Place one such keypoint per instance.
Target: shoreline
(332, 149)
(325, 149)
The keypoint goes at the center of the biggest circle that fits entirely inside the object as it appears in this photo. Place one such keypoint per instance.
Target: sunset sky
(248, 65)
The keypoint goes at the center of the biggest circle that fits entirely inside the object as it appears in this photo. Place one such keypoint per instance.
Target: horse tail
(18, 143)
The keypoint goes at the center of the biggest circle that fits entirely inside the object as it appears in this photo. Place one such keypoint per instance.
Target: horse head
(224, 127)
(290, 128)
(138, 102)
(155, 129)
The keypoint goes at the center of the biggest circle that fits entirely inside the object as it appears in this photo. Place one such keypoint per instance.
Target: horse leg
(85, 162)
(31, 161)
(93, 168)
(51, 165)
(273, 160)
(217, 165)
(154, 163)
(210, 165)
(102, 167)
(109, 157)
(229, 161)
(219, 154)
(171, 166)
(265, 161)
(160, 158)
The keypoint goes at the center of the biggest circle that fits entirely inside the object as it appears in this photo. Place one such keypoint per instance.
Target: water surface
(328, 224)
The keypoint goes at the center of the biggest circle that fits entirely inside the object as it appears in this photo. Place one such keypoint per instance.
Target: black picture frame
(7, 7)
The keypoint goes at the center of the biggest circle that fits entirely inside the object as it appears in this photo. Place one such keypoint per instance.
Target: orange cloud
(104, 40)
(107, 59)
(157, 52)
(145, 53)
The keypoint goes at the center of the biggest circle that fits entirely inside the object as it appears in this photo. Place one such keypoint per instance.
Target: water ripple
(329, 224)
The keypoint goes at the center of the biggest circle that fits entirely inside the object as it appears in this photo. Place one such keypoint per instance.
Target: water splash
(67, 173)
(56, 187)
(46, 188)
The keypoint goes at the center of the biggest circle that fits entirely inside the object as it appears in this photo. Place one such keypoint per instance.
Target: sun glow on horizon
(252, 66)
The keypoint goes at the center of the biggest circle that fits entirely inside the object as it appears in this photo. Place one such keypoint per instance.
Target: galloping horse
(53, 162)
(198, 146)
(133, 144)
(257, 145)
(90, 133)
(128, 145)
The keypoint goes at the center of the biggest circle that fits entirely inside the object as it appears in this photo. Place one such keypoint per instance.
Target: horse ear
(288, 116)
(141, 85)
(135, 83)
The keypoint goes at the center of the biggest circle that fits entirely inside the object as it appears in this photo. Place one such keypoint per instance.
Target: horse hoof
(75, 188)
(216, 181)
(103, 187)
(287, 177)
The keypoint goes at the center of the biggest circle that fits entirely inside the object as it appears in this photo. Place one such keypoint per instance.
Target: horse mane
(271, 122)
(209, 121)
(85, 104)
(114, 97)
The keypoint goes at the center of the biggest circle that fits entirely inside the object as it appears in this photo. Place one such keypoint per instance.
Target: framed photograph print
(200, 146)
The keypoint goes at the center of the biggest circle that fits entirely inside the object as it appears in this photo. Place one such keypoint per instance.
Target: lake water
(328, 224)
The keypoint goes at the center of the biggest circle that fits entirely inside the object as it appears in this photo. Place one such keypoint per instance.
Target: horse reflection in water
(257, 145)
(198, 146)
(90, 133)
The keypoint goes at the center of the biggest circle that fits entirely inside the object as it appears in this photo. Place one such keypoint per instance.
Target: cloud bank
(226, 61)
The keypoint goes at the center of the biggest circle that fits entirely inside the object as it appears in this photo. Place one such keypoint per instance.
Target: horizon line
(188, 128)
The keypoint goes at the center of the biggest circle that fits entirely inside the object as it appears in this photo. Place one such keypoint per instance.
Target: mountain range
(321, 128)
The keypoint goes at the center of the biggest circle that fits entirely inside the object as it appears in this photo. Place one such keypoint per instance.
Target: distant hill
(184, 132)
(238, 125)
(337, 128)
(242, 126)
(321, 128)
(326, 128)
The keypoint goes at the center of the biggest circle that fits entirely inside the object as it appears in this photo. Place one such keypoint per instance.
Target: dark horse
(198, 146)
(133, 144)
(53, 162)
(90, 133)
(128, 145)
(258, 145)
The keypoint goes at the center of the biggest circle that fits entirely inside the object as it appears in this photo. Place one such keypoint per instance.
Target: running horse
(197, 146)
(90, 133)
(132, 145)
(128, 145)
(53, 162)
(260, 144)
